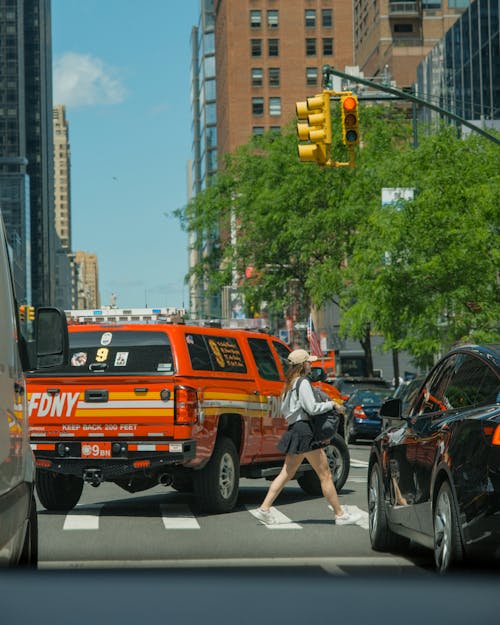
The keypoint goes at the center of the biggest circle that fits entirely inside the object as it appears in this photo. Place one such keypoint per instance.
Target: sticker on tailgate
(96, 450)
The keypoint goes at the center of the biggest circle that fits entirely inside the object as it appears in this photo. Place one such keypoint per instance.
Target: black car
(346, 385)
(408, 390)
(434, 475)
(362, 413)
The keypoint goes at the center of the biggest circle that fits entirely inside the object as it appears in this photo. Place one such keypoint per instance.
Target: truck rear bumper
(114, 460)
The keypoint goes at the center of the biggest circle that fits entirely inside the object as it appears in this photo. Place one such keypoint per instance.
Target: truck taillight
(186, 405)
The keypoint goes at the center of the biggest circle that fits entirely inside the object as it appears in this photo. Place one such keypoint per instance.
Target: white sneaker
(348, 518)
(265, 516)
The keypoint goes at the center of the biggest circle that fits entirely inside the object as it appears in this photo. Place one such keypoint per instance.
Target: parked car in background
(346, 385)
(362, 413)
(434, 475)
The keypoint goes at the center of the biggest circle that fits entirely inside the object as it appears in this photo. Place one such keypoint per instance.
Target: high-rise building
(393, 37)
(62, 180)
(270, 54)
(88, 281)
(462, 72)
(252, 60)
(26, 169)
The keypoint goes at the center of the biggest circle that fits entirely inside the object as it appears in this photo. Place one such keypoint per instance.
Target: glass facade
(462, 72)
(204, 162)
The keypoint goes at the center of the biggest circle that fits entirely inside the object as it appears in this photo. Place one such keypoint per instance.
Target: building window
(258, 130)
(310, 18)
(256, 47)
(274, 76)
(403, 28)
(273, 19)
(257, 74)
(311, 76)
(275, 129)
(274, 106)
(255, 19)
(327, 18)
(257, 106)
(327, 46)
(310, 47)
(273, 47)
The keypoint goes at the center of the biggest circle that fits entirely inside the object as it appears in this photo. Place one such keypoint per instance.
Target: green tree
(427, 275)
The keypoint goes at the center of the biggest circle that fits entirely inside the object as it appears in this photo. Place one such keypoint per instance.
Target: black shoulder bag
(324, 425)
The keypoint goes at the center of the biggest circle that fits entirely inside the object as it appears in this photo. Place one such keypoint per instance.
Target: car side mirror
(392, 409)
(317, 374)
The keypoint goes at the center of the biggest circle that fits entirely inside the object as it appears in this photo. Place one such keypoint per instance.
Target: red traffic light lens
(349, 103)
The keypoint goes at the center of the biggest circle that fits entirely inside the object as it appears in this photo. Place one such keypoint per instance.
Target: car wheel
(29, 553)
(448, 548)
(339, 460)
(216, 485)
(58, 492)
(382, 538)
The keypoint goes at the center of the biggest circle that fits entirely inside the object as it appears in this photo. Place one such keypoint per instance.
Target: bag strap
(297, 386)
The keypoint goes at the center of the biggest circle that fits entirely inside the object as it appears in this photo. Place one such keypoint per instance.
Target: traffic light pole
(328, 70)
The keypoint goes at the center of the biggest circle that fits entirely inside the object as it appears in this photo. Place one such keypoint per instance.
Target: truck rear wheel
(216, 486)
(339, 461)
(58, 492)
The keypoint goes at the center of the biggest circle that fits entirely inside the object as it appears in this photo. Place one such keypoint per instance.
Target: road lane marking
(178, 517)
(358, 464)
(282, 521)
(359, 480)
(85, 519)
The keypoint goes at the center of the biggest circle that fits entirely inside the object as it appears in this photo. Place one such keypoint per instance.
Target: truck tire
(339, 460)
(58, 492)
(29, 554)
(216, 486)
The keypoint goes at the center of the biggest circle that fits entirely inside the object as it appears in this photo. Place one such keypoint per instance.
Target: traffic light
(350, 120)
(22, 312)
(315, 125)
(31, 313)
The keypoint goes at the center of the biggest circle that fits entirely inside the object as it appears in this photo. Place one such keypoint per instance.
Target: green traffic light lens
(351, 136)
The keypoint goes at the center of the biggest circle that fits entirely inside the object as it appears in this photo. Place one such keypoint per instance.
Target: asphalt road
(159, 528)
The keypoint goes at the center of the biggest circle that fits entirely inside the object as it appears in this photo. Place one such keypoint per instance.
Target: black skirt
(298, 439)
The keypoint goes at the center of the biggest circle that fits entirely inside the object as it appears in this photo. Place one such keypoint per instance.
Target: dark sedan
(434, 475)
(362, 413)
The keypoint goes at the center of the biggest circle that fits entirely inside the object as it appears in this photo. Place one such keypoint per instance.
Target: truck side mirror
(51, 338)
(317, 374)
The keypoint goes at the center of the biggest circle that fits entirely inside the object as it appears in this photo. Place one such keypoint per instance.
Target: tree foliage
(424, 273)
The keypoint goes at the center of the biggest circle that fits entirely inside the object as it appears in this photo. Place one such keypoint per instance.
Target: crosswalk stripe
(358, 464)
(282, 521)
(82, 519)
(178, 517)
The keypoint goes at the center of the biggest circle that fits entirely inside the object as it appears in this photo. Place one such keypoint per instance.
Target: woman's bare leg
(319, 462)
(292, 463)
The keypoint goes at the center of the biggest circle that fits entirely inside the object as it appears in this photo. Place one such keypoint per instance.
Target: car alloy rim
(442, 531)
(226, 476)
(373, 501)
(334, 461)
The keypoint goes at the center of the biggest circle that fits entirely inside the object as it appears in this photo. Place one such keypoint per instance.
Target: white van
(18, 518)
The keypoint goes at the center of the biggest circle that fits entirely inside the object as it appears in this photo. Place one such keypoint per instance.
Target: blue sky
(122, 68)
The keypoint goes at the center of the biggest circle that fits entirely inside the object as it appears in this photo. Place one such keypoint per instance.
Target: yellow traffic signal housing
(315, 125)
(31, 313)
(350, 120)
(22, 312)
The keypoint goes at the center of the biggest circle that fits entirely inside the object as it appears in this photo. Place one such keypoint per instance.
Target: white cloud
(83, 80)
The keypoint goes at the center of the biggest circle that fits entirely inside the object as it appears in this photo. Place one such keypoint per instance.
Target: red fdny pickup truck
(145, 403)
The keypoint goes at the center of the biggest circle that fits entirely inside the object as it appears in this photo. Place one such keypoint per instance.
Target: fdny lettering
(52, 405)
(274, 407)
